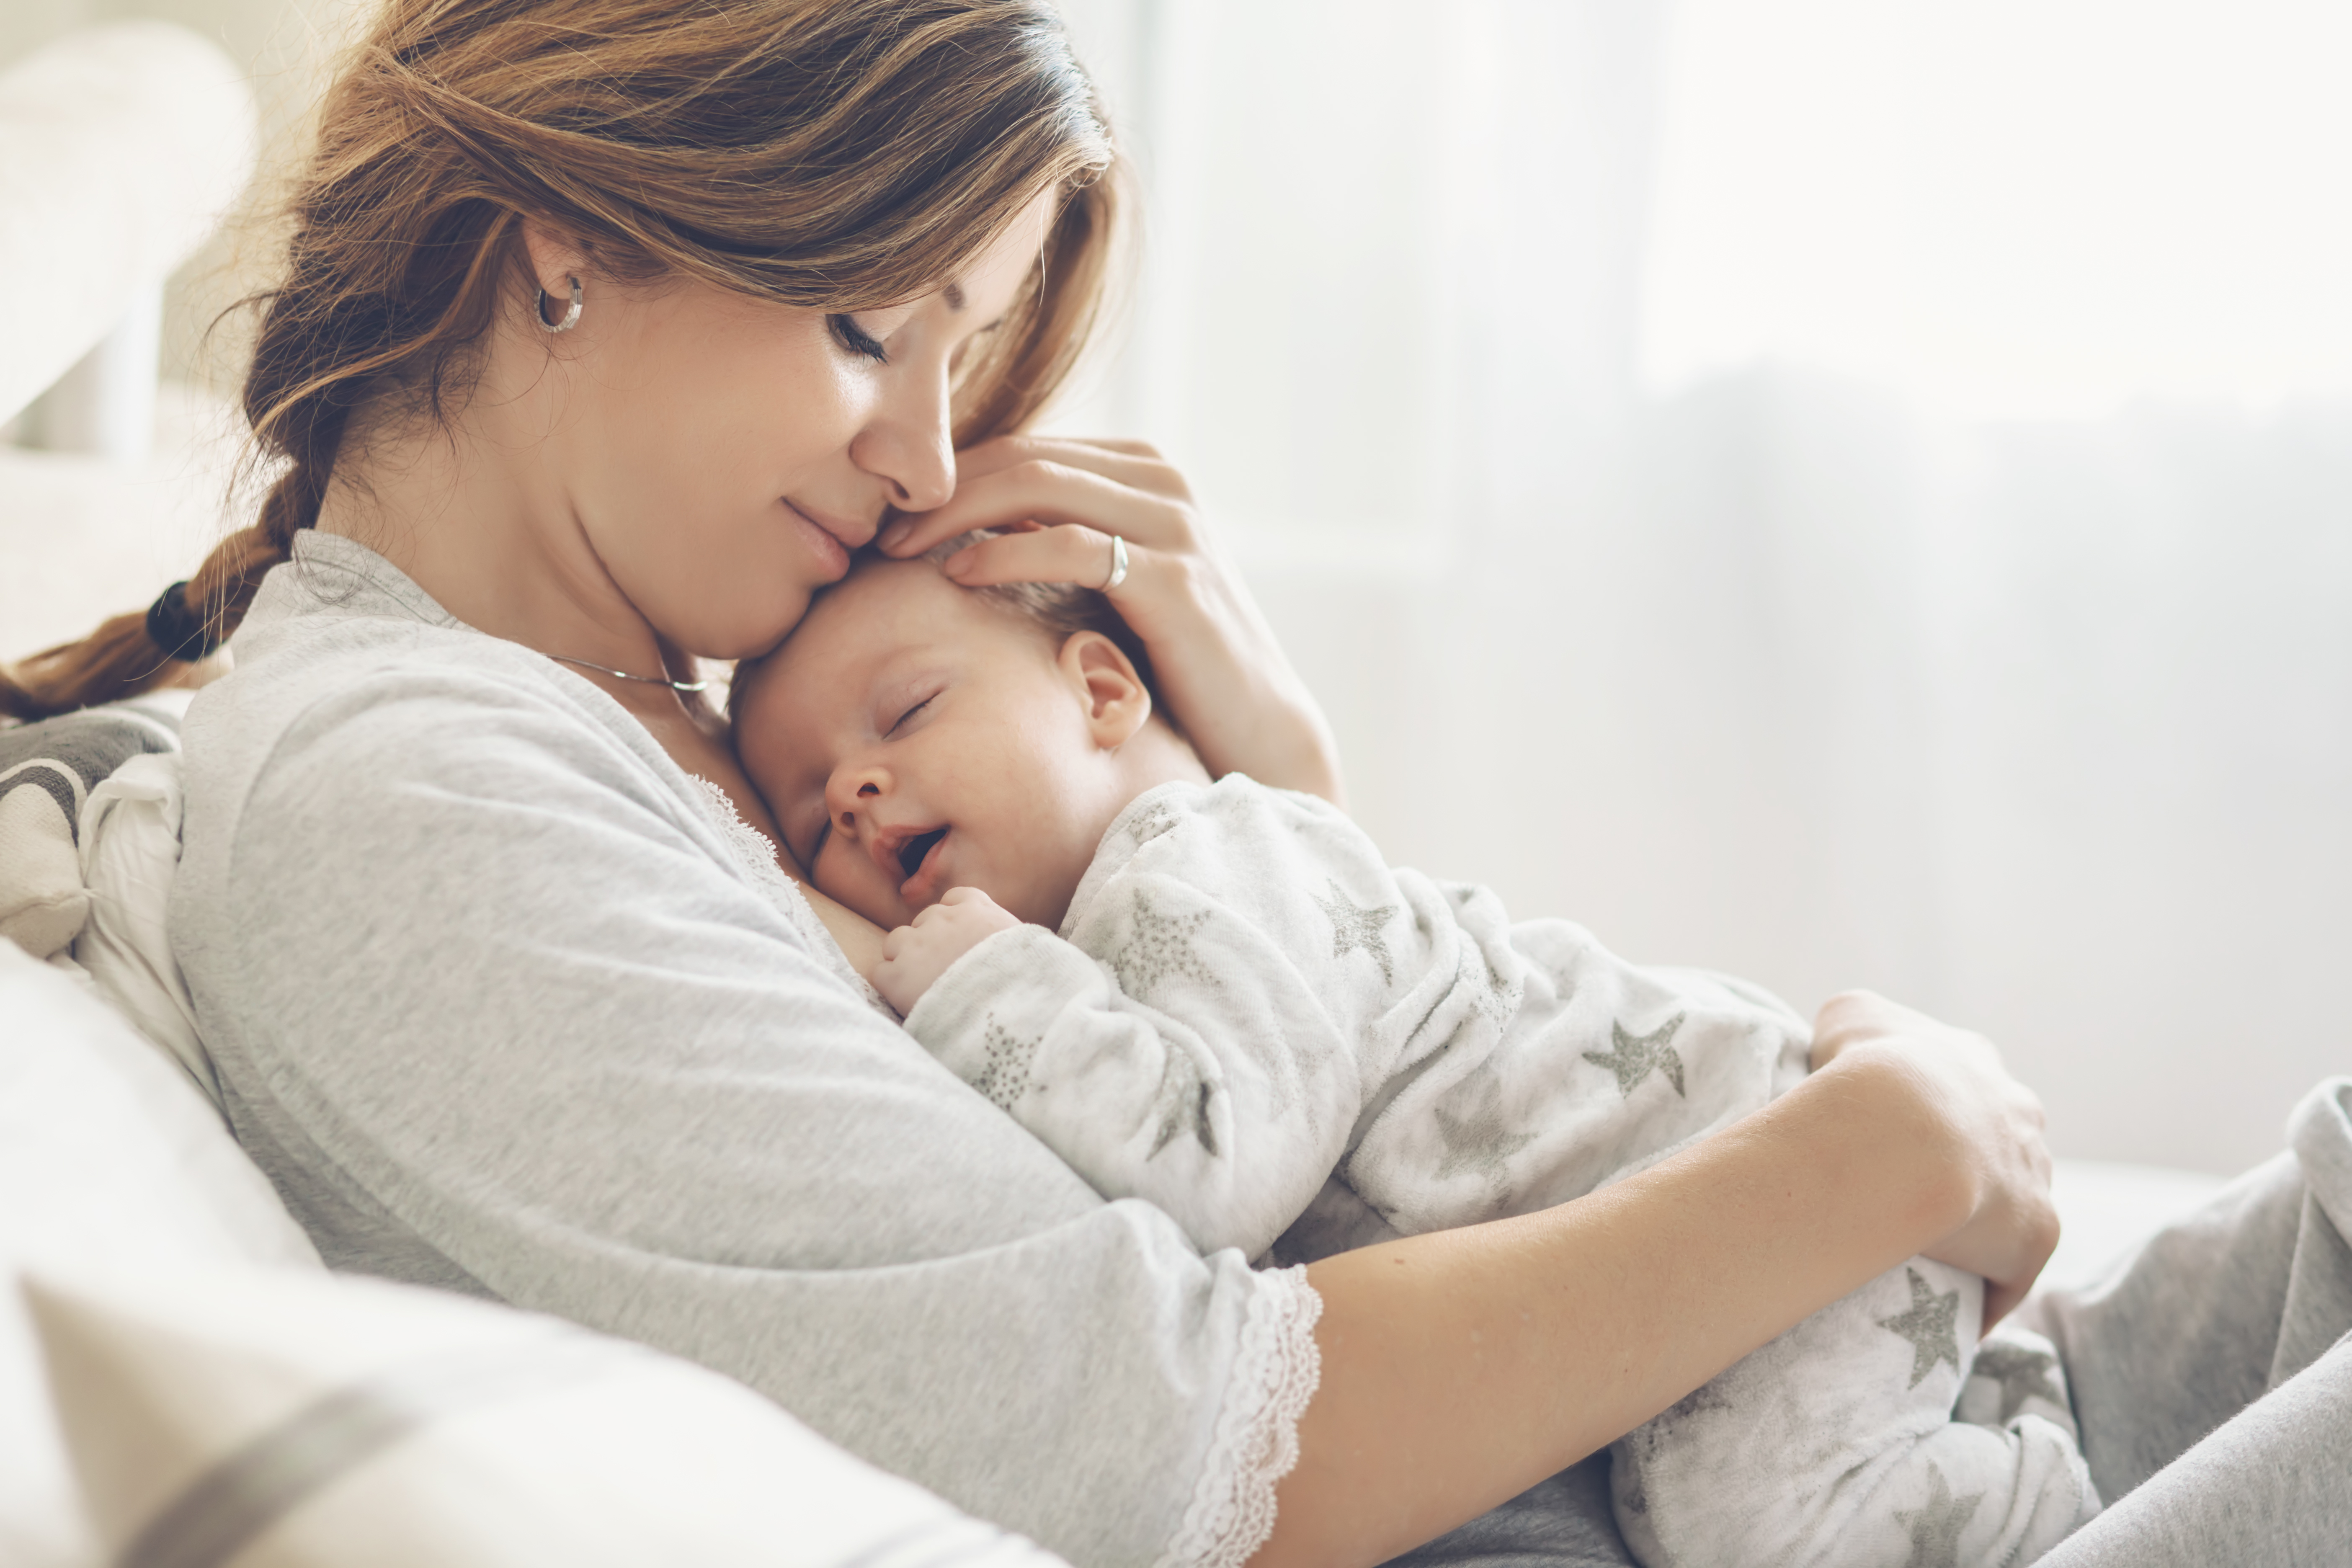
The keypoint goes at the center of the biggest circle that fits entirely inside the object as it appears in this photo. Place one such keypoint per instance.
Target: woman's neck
(477, 524)
(477, 514)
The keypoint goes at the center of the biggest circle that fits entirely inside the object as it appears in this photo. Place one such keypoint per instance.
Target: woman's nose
(909, 443)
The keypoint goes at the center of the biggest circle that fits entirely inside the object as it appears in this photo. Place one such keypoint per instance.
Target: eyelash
(856, 340)
(910, 713)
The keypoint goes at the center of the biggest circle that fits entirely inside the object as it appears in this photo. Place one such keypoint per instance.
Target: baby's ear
(1115, 698)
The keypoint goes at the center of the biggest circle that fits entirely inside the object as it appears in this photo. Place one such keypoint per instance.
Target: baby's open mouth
(911, 852)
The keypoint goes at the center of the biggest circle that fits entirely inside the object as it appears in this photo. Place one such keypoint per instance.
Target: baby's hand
(914, 956)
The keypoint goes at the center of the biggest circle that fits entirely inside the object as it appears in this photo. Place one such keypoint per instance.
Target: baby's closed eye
(909, 714)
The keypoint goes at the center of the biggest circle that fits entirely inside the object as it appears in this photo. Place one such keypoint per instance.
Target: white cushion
(107, 1157)
(130, 855)
(275, 1418)
(42, 904)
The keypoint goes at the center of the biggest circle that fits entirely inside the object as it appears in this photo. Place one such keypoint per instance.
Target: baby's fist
(914, 956)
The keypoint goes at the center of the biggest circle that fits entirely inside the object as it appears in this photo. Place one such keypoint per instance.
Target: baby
(1217, 998)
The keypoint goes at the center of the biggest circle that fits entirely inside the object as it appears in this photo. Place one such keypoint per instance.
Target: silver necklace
(623, 675)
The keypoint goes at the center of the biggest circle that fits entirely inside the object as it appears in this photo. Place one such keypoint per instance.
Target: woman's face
(720, 455)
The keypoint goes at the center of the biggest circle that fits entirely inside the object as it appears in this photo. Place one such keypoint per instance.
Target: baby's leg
(1836, 1444)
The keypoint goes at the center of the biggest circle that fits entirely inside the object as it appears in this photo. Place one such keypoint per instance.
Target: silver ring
(1118, 564)
(571, 316)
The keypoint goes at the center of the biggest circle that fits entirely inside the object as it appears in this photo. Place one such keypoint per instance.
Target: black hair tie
(178, 630)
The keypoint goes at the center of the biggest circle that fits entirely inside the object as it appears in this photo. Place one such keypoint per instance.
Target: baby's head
(912, 736)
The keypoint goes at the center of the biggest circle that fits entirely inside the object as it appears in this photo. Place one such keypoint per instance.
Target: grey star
(1004, 1078)
(2023, 1373)
(1183, 1104)
(1160, 949)
(1634, 1058)
(1498, 998)
(1935, 1527)
(1928, 1324)
(1707, 1397)
(1354, 927)
(1150, 822)
(1477, 1140)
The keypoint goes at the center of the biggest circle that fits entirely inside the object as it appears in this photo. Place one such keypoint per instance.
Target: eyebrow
(953, 293)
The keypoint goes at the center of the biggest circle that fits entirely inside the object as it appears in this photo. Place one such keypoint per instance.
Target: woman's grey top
(505, 1002)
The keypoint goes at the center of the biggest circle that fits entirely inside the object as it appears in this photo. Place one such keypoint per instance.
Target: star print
(1935, 1527)
(1928, 1324)
(1636, 1498)
(1354, 927)
(1150, 822)
(1161, 949)
(1698, 1402)
(1634, 1058)
(1004, 1078)
(1183, 1104)
(1477, 1140)
(1498, 998)
(2023, 1373)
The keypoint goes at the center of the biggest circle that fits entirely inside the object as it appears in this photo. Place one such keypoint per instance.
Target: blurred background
(1852, 492)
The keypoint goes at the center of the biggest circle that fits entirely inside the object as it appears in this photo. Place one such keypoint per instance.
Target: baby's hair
(1058, 609)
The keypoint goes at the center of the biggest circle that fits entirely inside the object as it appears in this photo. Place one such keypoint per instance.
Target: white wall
(1766, 663)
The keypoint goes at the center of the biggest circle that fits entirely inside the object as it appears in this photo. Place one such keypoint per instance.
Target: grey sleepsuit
(1252, 1021)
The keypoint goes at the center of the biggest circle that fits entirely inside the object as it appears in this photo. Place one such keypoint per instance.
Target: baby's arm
(1227, 1106)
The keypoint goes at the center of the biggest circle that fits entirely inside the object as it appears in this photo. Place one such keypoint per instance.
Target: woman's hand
(1994, 1124)
(1223, 675)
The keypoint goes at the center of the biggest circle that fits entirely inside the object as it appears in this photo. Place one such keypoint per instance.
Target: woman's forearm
(1461, 1367)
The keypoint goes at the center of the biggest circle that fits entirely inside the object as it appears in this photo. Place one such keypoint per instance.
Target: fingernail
(896, 534)
(958, 564)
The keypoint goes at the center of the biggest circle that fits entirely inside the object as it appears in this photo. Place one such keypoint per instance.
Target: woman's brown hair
(832, 154)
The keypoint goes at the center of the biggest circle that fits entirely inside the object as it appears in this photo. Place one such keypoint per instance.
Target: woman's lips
(829, 549)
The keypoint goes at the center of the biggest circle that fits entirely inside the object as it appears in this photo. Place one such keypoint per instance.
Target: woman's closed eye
(856, 339)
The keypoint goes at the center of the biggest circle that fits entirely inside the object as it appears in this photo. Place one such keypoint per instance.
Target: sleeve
(1226, 1107)
(493, 1011)
(1242, 976)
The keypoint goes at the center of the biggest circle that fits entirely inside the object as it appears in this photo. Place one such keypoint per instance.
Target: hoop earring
(571, 315)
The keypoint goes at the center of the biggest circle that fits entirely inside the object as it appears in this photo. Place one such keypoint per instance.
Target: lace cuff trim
(1255, 1444)
(756, 853)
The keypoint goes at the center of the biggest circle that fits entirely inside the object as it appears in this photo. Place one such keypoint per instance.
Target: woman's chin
(754, 632)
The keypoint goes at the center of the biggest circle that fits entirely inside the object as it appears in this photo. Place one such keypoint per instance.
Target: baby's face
(911, 737)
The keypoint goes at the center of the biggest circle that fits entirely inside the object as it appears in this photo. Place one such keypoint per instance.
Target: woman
(610, 326)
